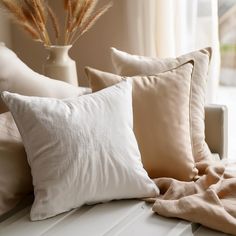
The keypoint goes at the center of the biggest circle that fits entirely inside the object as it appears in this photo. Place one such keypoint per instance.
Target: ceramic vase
(59, 65)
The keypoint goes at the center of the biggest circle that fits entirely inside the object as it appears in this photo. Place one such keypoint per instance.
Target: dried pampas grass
(88, 23)
(33, 15)
(81, 16)
(54, 21)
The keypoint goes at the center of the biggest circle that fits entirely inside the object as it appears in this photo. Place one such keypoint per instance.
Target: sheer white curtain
(168, 28)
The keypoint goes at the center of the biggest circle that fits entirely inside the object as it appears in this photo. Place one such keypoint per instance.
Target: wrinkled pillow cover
(85, 146)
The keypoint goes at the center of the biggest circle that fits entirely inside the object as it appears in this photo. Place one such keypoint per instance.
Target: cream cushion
(161, 119)
(80, 150)
(15, 177)
(17, 77)
(129, 65)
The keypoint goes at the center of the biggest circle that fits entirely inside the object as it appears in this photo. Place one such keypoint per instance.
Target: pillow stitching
(190, 114)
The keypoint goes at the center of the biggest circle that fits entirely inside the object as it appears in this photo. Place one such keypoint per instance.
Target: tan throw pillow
(131, 65)
(81, 150)
(15, 177)
(17, 77)
(161, 119)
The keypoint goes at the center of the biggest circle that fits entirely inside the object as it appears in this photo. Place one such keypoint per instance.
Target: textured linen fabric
(210, 201)
(17, 77)
(15, 177)
(161, 119)
(130, 65)
(80, 150)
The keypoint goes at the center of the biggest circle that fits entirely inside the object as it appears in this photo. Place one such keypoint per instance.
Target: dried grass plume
(34, 16)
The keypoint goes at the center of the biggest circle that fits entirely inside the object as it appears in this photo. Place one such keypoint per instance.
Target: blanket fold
(210, 200)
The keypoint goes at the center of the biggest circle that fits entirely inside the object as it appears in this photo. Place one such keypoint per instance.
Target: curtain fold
(169, 28)
(165, 29)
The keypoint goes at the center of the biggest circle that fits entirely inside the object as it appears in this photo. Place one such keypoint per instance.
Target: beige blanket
(210, 201)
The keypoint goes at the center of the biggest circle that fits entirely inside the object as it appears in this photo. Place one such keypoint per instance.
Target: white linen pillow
(17, 77)
(80, 150)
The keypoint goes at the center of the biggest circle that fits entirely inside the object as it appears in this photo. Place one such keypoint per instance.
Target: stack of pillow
(92, 148)
(168, 105)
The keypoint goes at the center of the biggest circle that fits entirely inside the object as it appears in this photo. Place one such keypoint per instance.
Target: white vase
(59, 65)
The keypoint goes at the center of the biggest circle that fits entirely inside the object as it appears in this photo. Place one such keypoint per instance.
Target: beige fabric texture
(210, 201)
(161, 119)
(130, 65)
(15, 177)
(17, 77)
(81, 150)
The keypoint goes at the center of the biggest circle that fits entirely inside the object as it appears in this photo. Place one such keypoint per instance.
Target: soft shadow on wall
(91, 50)
(5, 31)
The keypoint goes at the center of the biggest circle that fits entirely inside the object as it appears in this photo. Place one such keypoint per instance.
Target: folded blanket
(210, 200)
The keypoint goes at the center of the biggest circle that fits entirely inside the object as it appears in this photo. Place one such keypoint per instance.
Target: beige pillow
(15, 177)
(161, 119)
(131, 65)
(81, 150)
(17, 77)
